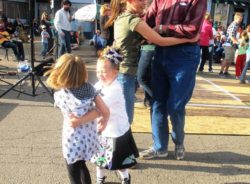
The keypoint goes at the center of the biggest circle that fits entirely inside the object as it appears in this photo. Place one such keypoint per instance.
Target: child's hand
(74, 121)
(102, 123)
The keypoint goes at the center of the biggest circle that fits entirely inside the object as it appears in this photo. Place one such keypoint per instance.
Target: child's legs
(99, 172)
(44, 48)
(229, 57)
(244, 72)
(243, 63)
(237, 66)
(78, 173)
(240, 62)
(123, 173)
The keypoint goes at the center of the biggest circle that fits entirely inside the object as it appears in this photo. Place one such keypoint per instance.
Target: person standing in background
(63, 27)
(205, 36)
(230, 45)
(44, 40)
(45, 20)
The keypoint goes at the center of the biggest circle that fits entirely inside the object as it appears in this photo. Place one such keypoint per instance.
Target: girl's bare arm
(152, 36)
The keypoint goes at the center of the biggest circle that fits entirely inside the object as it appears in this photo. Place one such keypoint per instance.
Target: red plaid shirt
(183, 18)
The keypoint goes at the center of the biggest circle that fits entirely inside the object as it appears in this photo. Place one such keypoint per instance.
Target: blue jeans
(144, 71)
(128, 87)
(45, 46)
(244, 72)
(173, 81)
(64, 43)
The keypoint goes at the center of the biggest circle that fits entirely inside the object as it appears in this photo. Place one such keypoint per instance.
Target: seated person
(74, 40)
(5, 41)
(96, 40)
(219, 50)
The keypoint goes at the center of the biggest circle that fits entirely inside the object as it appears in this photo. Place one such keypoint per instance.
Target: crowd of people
(226, 46)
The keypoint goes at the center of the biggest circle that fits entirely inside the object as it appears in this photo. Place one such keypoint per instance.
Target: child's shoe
(127, 180)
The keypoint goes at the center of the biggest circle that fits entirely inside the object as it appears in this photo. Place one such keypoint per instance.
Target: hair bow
(113, 56)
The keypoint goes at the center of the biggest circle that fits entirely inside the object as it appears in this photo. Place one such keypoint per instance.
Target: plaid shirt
(183, 17)
(232, 31)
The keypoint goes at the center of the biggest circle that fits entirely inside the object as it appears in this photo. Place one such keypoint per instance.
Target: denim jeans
(64, 43)
(128, 87)
(173, 81)
(244, 72)
(144, 71)
(45, 47)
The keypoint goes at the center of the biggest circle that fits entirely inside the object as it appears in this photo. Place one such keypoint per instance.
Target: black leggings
(78, 173)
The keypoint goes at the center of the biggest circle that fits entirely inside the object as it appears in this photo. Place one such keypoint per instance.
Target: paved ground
(30, 147)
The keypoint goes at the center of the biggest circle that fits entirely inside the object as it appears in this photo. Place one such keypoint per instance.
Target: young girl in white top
(76, 97)
(119, 148)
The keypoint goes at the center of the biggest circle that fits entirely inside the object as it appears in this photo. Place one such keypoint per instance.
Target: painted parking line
(218, 106)
(221, 89)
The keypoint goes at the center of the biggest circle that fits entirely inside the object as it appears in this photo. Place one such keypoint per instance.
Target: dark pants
(65, 43)
(78, 173)
(206, 55)
(144, 72)
(14, 47)
(19, 45)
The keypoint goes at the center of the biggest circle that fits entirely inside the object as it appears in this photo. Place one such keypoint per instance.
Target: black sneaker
(179, 152)
(101, 180)
(221, 73)
(126, 180)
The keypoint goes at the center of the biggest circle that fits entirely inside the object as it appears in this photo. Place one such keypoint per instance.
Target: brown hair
(237, 15)
(207, 16)
(117, 6)
(43, 17)
(104, 8)
(69, 72)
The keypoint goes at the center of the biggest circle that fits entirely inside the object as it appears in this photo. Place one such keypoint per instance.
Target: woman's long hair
(117, 7)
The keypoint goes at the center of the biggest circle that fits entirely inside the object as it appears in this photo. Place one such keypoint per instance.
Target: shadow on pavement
(6, 108)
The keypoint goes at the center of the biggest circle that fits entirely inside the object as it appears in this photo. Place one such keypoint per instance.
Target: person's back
(206, 33)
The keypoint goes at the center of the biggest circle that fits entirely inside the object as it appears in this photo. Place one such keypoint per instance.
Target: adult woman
(206, 35)
(45, 20)
(128, 26)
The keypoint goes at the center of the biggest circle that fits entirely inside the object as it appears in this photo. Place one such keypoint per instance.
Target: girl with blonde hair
(76, 97)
